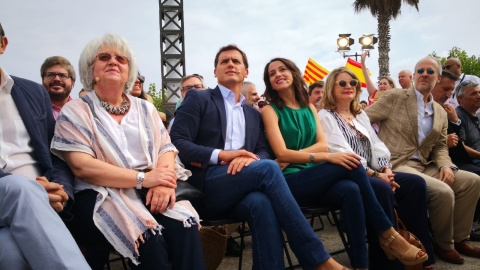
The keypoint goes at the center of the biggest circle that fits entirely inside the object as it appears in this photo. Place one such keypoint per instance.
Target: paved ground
(332, 242)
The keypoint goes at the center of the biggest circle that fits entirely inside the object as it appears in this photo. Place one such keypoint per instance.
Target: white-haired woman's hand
(163, 175)
(159, 198)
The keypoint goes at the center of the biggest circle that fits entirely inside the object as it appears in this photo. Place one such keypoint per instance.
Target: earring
(97, 79)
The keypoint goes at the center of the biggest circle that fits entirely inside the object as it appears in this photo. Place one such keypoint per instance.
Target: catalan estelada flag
(356, 67)
(314, 72)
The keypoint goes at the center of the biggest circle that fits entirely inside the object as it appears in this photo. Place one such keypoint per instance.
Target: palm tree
(384, 10)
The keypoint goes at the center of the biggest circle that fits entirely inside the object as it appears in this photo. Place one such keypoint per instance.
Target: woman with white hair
(116, 144)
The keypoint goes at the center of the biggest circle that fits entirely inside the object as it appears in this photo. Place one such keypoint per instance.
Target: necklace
(351, 124)
(347, 119)
(116, 110)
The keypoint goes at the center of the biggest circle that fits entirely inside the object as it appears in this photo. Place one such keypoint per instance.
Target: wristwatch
(140, 176)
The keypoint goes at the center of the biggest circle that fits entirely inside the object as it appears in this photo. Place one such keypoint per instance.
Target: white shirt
(16, 152)
(425, 118)
(235, 132)
(125, 134)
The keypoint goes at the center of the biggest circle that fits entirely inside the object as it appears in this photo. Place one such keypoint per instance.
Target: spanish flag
(314, 72)
(356, 67)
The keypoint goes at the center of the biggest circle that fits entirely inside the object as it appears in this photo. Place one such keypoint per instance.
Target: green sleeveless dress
(299, 131)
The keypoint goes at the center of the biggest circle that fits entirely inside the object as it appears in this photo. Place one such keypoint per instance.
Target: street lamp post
(344, 42)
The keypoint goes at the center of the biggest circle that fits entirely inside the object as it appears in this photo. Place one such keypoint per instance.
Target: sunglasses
(141, 79)
(343, 83)
(105, 57)
(429, 71)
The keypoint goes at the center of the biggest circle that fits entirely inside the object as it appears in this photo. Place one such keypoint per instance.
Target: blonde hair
(328, 101)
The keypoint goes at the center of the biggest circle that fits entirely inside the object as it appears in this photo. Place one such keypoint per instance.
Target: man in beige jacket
(414, 128)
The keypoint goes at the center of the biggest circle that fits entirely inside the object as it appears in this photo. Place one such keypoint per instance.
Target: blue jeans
(260, 195)
(332, 184)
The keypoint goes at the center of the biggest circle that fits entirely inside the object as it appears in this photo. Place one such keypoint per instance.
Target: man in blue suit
(33, 184)
(222, 141)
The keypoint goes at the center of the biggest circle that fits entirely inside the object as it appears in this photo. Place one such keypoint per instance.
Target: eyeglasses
(449, 66)
(105, 57)
(195, 86)
(52, 75)
(429, 71)
(352, 83)
(141, 79)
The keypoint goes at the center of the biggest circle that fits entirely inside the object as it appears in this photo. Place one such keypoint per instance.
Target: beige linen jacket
(396, 112)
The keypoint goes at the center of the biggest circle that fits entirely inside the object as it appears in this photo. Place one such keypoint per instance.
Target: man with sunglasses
(454, 65)
(34, 184)
(414, 128)
(58, 77)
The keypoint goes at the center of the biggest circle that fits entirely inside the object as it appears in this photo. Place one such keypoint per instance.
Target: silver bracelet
(140, 176)
(312, 157)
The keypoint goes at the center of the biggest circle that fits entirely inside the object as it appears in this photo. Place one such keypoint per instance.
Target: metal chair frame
(318, 211)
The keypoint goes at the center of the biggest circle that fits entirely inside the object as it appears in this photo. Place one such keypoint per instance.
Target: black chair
(119, 257)
(312, 212)
(226, 221)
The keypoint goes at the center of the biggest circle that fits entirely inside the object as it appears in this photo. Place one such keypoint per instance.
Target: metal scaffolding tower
(172, 49)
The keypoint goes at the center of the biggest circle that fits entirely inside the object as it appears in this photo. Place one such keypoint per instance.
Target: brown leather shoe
(468, 250)
(450, 256)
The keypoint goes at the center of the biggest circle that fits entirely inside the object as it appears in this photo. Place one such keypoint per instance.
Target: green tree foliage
(157, 96)
(470, 64)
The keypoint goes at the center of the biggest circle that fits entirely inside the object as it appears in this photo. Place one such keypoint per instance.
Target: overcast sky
(264, 29)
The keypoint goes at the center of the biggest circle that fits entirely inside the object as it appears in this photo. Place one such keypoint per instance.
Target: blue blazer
(35, 108)
(200, 127)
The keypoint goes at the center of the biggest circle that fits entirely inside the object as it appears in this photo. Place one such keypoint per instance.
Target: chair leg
(322, 226)
(340, 232)
(287, 254)
(242, 245)
(333, 223)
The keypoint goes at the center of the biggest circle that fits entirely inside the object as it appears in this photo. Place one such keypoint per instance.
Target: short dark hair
(449, 75)
(231, 47)
(315, 85)
(2, 33)
(363, 101)
(57, 60)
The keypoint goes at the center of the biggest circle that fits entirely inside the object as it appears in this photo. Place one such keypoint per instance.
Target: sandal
(409, 257)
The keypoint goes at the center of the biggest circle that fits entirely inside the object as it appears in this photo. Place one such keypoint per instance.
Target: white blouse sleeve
(335, 139)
